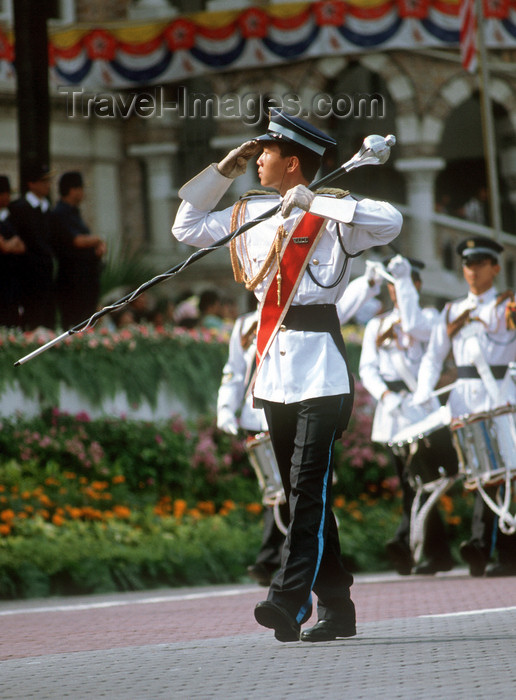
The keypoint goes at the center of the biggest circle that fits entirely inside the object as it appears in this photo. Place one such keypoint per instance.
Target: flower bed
(92, 505)
(101, 505)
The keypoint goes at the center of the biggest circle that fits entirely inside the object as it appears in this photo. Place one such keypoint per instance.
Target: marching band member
(236, 410)
(392, 348)
(298, 263)
(480, 327)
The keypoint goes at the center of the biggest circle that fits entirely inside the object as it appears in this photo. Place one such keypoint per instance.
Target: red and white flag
(468, 35)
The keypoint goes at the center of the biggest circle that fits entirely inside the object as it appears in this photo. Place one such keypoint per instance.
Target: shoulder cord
(273, 255)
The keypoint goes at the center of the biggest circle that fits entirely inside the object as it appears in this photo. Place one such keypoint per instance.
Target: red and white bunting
(468, 35)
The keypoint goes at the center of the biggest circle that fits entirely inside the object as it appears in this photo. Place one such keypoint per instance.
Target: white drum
(427, 449)
(262, 458)
(486, 446)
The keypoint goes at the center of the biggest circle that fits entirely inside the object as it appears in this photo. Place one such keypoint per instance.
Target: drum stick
(380, 269)
(446, 388)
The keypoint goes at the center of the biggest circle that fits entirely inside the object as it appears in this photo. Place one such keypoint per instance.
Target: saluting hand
(235, 163)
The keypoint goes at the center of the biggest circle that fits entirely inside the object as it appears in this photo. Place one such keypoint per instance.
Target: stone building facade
(134, 166)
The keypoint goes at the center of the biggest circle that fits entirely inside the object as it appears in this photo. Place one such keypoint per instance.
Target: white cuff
(205, 190)
(341, 210)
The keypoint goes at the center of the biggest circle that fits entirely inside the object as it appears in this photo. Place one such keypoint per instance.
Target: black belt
(396, 385)
(471, 372)
(317, 318)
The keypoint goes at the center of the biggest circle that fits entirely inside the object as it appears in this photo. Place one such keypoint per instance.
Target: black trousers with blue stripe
(303, 436)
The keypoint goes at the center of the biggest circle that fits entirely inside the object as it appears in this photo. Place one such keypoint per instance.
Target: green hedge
(98, 364)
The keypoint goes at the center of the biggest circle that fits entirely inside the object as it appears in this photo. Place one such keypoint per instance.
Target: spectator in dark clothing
(11, 246)
(79, 254)
(30, 216)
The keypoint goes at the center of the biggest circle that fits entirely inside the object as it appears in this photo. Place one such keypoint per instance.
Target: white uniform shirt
(299, 365)
(497, 344)
(395, 357)
(233, 397)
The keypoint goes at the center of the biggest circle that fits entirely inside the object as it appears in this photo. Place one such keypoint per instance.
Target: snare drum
(262, 458)
(427, 448)
(486, 446)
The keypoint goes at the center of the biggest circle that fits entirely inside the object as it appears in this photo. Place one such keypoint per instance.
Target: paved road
(449, 636)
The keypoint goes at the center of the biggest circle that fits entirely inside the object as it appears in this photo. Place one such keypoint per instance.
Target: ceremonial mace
(375, 150)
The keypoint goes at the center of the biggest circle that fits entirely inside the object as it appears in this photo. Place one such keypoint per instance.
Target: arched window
(361, 105)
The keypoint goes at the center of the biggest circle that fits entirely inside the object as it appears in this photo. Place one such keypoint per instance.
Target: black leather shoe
(270, 615)
(474, 556)
(495, 570)
(399, 556)
(432, 566)
(260, 573)
(328, 630)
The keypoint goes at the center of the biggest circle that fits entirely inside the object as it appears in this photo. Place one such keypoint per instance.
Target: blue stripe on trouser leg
(320, 535)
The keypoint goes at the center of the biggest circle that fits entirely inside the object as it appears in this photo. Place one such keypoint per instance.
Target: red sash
(301, 242)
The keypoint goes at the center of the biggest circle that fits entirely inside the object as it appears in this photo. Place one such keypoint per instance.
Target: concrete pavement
(449, 636)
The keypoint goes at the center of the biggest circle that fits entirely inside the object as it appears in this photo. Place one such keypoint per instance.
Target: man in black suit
(30, 215)
(79, 254)
(11, 246)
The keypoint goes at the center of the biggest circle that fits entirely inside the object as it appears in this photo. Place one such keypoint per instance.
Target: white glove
(399, 267)
(235, 163)
(227, 422)
(371, 274)
(421, 396)
(391, 401)
(298, 196)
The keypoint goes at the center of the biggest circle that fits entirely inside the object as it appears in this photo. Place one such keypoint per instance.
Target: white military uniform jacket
(406, 331)
(233, 398)
(299, 364)
(496, 343)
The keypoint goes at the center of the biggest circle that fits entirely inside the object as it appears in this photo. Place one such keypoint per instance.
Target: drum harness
(506, 521)
(419, 512)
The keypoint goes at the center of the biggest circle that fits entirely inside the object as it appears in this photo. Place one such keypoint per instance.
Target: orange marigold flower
(7, 515)
(2, 488)
(99, 485)
(57, 519)
(91, 513)
(51, 481)
(26, 495)
(229, 505)
(118, 479)
(45, 500)
(357, 514)
(74, 513)
(255, 508)
(121, 511)
(180, 507)
(69, 475)
(195, 513)
(454, 519)
(206, 507)
(5, 529)
(447, 503)
(339, 502)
